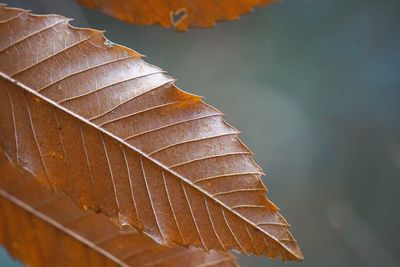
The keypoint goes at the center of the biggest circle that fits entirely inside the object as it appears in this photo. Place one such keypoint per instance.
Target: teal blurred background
(315, 88)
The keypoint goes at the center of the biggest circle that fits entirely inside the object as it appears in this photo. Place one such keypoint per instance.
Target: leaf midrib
(141, 153)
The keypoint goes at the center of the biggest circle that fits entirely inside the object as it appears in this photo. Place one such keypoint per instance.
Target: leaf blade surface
(94, 120)
(42, 228)
(180, 14)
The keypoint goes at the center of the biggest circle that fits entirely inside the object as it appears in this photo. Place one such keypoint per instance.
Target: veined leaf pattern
(42, 228)
(91, 118)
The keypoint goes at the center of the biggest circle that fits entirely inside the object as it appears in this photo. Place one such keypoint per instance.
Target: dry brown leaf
(180, 14)
(46, 229)
(90, 118)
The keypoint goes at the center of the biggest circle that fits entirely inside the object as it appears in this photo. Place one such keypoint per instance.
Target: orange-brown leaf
(46, 229)
(92, 119)
(180, 14)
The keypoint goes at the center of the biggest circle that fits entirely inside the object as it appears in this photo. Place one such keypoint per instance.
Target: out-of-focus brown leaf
(180, 14)
(90, 118)
(46, 229)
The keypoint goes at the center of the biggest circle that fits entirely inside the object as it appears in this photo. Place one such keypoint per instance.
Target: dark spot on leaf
(178, 16)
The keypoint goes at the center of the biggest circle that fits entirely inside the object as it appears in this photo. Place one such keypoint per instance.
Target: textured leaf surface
(46, 229)
(90, 118)
(179, 14)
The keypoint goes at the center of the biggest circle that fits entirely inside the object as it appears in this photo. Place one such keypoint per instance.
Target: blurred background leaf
(179, 14)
